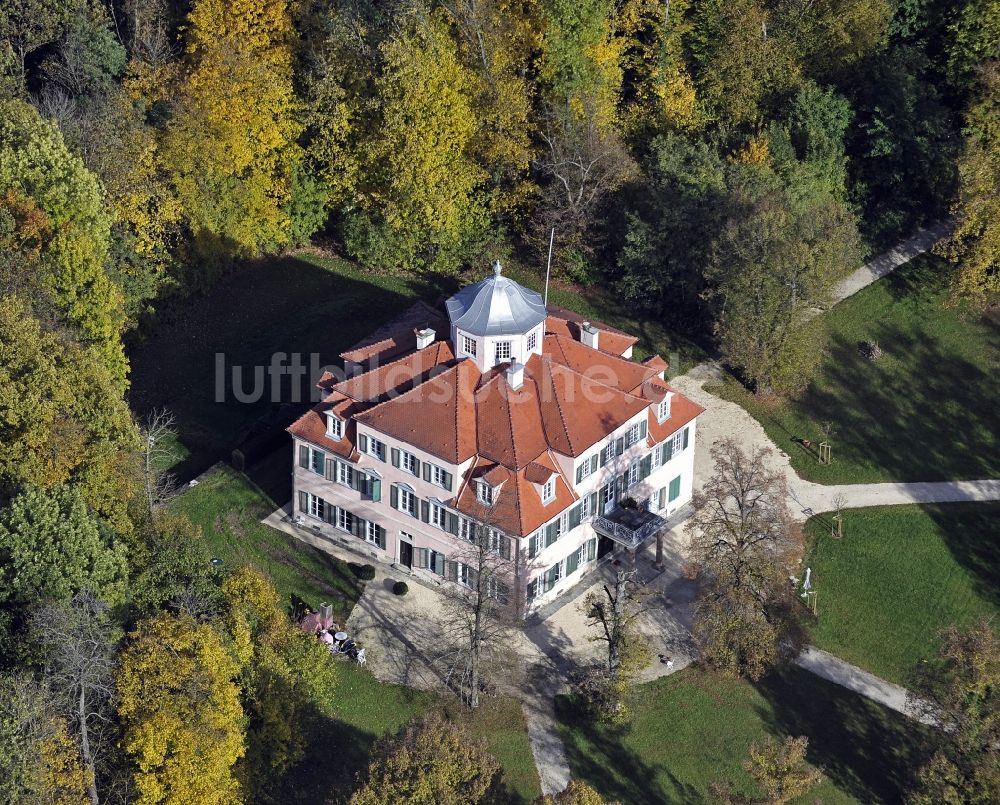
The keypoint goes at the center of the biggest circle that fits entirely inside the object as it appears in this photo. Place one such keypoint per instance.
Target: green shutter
(363, 443)
(448, 480)
(643, 429)
(572, 562)
(425, 511)
(303, 456)
(331, 469)
(420, 557)
(452, 570)
(675, 489)
(685, 439)
(550, 534)
(591, 550)
(303, 502)
(439, 563)
(394, 454)
(376, 488)
(668, 450)
(416, 467)
(574, 517)
(357, 526)
(602, 497)
(593, 503)
(427, 471)
(603, 458)
(532, 546)
(505, 547)
(646, 466)
(579, 473)
(394, 496)
(619, 445)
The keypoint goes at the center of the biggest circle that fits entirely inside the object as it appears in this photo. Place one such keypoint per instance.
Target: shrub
(364, 572)
(400, 588)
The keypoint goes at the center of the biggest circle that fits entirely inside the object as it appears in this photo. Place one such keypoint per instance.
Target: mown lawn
(900, 575)
(367, 709)
(229, 506)
(694, 728)
(305, 304)
(926, 410)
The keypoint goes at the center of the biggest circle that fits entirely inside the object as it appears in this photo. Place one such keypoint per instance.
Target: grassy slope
(927, 410)
(693, 728)
(228, 506)
(899, 576)
(307, 305)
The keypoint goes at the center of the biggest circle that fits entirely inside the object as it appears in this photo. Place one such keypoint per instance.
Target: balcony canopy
(629, 527)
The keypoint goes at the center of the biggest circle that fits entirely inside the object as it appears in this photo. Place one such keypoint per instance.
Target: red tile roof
(398, 336)
(567, 324)
(397, 376)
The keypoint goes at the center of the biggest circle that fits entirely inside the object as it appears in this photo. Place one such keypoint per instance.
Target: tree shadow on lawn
(604, 762)
(919, 413)
(866, 750)
(261, 308)
(972, 534)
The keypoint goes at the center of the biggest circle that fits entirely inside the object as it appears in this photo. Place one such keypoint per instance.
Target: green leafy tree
(58, 432)
(420, 202)
(54, 547)
(817, 122)
(959, 689)
(35, 162)
(89, 58)
(429, 761)
(576, 793)
(26, 26)
(181, 713)
(778, 255)
(973, 40)
(231, 143)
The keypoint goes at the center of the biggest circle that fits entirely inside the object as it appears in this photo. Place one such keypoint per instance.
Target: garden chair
(361, 658)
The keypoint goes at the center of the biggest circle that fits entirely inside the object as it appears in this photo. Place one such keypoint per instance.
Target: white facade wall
(486, 346)
(400, 527)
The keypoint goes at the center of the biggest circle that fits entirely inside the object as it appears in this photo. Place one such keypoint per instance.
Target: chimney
(588, 334)
(425, 337)
(515, 374)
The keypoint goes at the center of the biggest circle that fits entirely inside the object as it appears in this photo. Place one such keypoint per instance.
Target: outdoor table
(341, 636)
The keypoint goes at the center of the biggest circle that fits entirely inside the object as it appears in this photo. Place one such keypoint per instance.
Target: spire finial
(497, 268)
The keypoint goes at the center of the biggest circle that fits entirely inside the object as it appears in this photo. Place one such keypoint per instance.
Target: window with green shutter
(675, 489)
(574, 517)
(572, 562)
(532, 546)
(685, 438)
(591, 550)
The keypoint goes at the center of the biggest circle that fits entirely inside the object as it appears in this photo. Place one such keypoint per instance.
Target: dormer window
(334, 426)
(502, 352)
(484, 493)
(663, 410)
(549, 490)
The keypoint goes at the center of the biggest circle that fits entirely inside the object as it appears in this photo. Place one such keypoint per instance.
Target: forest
(717, 165)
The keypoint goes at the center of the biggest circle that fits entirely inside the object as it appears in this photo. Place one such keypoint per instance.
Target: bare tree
(745, 545)
(615, 614)
(585, 163)
(157, 431)
(479, 618)
(80, 670)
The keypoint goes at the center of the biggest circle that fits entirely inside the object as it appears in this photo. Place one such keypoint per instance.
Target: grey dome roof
(496, 306)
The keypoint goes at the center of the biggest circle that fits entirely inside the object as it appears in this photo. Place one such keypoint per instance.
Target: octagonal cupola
(496, 321)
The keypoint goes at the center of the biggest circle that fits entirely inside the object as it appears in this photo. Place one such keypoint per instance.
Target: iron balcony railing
(630, 537)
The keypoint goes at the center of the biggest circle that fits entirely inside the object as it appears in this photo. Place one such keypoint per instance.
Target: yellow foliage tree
(231, 143)
(419, 201)
(181, 713)
(975, 243)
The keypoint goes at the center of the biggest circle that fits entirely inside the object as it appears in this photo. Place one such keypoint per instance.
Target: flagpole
(548, 267)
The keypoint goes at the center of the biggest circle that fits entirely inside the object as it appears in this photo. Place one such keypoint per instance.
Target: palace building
(503, 412)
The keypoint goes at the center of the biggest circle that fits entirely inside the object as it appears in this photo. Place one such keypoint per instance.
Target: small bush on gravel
(400, 588)
(363, 572)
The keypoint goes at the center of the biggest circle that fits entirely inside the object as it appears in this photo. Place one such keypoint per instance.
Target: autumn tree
(26, 26)
(35, 162)
(39, 763)
(495, 41)
(181, 712)
(78, 641)
(613, 613)
(958, 690)
(479, 616)
(287, 678)
(744, 546)
(419, 202)
(231, 140)
(975, 243)
(429, 761)
(780, 769)
(576, 793)
(54, 547)
(55, 432)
